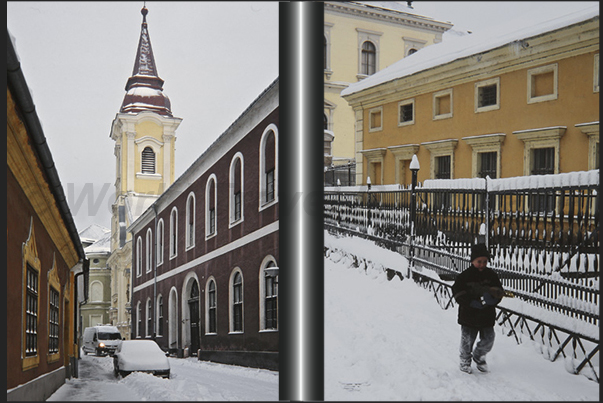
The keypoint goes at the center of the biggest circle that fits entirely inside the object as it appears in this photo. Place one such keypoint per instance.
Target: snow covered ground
(190, 380)
(390, 340)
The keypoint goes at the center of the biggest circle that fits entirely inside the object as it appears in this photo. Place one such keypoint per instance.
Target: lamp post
(414, 168)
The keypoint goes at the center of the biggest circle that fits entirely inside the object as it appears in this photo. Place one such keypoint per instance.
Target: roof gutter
(18, 87)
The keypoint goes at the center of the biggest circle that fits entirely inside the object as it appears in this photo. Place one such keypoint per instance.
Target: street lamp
(414, 168)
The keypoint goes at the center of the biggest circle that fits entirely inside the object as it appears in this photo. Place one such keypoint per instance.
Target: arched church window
(369, 60)
(148, 161)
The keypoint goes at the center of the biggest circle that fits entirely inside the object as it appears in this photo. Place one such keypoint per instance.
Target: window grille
(487, 95)
(148, 161)
(406, 112)
(31, 313)
(53, 319)
(237, 289)
(488, 164)
(212, 306)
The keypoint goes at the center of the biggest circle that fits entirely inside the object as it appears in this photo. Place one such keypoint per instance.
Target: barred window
(488, 164)
(53, 319)
(487, 95)
(148, 161)
(212, 307)
(31, 313)
(271, 302)
(237, 303)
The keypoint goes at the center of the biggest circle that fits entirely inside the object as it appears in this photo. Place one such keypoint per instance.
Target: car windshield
(109, 336)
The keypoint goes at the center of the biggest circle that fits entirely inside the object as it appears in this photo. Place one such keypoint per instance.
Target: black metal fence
(544, 239)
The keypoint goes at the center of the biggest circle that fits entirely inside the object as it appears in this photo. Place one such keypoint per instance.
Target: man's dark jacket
(477, 294)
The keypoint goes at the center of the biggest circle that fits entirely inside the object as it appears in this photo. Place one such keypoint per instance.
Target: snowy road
(390, 340)
(190, 380)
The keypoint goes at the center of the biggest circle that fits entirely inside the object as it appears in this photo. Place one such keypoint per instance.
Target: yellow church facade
(521, 104)
(359, 40)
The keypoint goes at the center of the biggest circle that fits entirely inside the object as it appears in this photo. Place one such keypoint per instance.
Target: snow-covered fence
(542, 231)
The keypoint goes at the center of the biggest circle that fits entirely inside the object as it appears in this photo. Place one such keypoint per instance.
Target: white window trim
(486, 83)
(441, 148)
(149, 251)
(159, 233)
(147, 316)
(327, 35)
(402, 103)
(542, 70)
(485, 144)
(372, 111)
(209, 280)
(231, 302)
(262, 176)
(262, 284)
(441, 94)
(231, 221)
(138, 319)
(173, 230)
(547, 137)
(209, 235)
(373, 37)
(139, 256)
(157, 319)
(190, 244)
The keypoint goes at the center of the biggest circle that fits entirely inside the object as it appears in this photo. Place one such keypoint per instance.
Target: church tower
(144, 132)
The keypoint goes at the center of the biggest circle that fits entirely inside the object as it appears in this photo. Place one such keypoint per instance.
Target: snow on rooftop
(459, 47)
(93, 233)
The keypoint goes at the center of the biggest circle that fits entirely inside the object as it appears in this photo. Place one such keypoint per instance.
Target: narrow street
(190, 380)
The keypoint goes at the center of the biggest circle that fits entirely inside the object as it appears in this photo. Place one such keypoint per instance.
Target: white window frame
(208, 234)
(149, 251)
(410, 101)
(262, 284)
(231, 301)
(263, 204)
(190, 243)
(207, 307)
(160, 240)
(173, 232)
(436, 97)
(139, 256)
(486, 83)
(538, 71)
(374, 37)
(232, 221)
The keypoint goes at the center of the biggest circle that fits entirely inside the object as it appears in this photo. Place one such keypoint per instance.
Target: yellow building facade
(361, 39)
(516, 105)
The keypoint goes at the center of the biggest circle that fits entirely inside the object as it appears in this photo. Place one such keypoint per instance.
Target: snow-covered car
(140, 356)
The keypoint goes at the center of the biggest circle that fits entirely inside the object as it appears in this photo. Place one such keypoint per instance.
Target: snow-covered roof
(103, 245)
(459, 47)
(93, 233)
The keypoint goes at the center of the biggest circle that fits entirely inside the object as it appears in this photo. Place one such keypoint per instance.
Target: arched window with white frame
(149, 317)
(211, 203)
(159, 326)
(190, 220)
(211, 307)
(138, 320)
(149, 251)
(139, 257)
(236, 301)
(236, 184)
(268, 284)
(173, 233)
(148, 161)
(268, 167)
(159, 241)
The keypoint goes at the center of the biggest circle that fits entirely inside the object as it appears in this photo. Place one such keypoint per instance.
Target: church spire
(144, 89)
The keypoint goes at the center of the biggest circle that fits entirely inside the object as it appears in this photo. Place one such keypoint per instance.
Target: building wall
(25, 226)
(244, 246)
(345, 32)
(576, 104)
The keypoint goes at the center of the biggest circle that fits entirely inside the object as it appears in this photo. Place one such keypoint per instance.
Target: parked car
(140, 356)
(101, 340)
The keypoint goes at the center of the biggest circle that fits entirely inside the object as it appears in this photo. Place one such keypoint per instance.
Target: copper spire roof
(144, 89)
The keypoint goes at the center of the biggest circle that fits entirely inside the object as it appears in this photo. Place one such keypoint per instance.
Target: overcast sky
(215, 59)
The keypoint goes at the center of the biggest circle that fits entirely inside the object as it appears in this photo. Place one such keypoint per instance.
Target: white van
(101, 340)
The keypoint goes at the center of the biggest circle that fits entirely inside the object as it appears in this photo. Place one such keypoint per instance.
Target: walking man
(477, 290)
